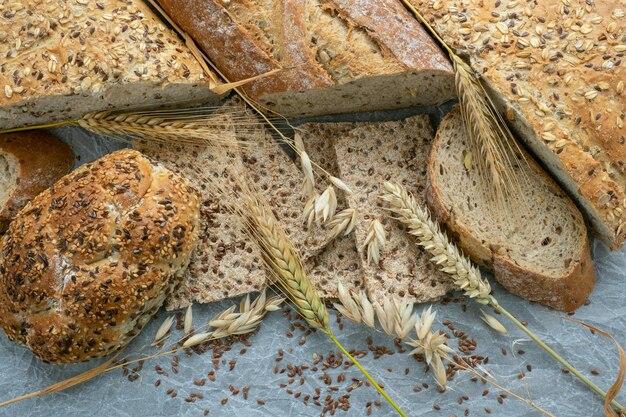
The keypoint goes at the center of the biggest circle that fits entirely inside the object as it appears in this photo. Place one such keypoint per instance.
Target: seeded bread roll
(543, 256)
(30, 162)
(557, 69)
(86, 264)
(337, 56)
(62, 59)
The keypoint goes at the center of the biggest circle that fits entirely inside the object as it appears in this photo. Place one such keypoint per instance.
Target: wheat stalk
(283, 262)
(491, 139)
(466, 276)
(445, 254)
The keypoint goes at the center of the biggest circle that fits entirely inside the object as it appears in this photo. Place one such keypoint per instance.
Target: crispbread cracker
(226, 264)
(369, 154)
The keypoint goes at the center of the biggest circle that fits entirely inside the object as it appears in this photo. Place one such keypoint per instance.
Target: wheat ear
(283, 262)
(466, 276)
(492, 141)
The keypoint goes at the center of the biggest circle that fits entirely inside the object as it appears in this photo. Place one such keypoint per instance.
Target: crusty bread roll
(30, 162)
(86, 264)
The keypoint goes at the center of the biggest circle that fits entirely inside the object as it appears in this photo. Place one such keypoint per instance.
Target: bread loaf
(62, 59)
(86, 264)
(30, 162)
(543, 255)
(557, 69)
(337, 56)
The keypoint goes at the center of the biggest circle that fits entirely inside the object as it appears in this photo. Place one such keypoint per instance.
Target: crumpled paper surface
(112, 394)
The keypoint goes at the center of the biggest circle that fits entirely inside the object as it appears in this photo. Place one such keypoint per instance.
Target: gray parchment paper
(112, 394)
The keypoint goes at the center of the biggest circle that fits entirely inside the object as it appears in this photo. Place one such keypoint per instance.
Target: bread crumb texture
(558, 68)
(86, 264)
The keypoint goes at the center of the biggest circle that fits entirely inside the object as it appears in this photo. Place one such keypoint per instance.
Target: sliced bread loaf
(337, 56)
(62, 59)
(543, 255)
(557, 68)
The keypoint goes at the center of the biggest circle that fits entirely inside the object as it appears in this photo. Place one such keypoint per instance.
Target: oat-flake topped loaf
(88, 262)
(558, 68)
(60, 59)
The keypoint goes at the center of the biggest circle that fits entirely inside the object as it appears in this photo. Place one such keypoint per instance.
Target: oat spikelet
(493, 322)
(344, 222)
(432, 345)
(164, 329)
(405, 319)
(375, 241)
(445, 254)
(326, 205)
(188, 319)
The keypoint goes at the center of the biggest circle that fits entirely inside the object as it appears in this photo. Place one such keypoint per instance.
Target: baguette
(337, 56)
(543, 256)
(63, 59)
(557, 70)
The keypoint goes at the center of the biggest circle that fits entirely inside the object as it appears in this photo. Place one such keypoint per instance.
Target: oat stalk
(466, 276)
(283, 262)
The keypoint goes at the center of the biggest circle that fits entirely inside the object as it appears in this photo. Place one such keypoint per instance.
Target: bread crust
(63, 59)
(242, 49)
(566, 293)
(40, 159)
(88, 262)
(558, 71)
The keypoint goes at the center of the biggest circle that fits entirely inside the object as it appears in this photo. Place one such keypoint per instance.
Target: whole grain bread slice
(367, 155)
(543, 255)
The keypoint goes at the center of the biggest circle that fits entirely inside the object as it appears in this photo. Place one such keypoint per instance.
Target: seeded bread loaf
(557, 69)
(337, 56)
(62, 59)
(30, 162)
(367, 155)
(88, 262)
(543, 255)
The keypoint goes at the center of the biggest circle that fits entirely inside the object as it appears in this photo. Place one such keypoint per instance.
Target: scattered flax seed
(487, 410)
(504, 351)
(224, 401)
(437, 407)
(485, 392)
(260, 402)
(595, 372)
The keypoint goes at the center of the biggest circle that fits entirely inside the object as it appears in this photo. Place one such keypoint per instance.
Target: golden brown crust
(557, 67)
(86, 263)
(246, 39)
(566, 292)
(40, 159)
